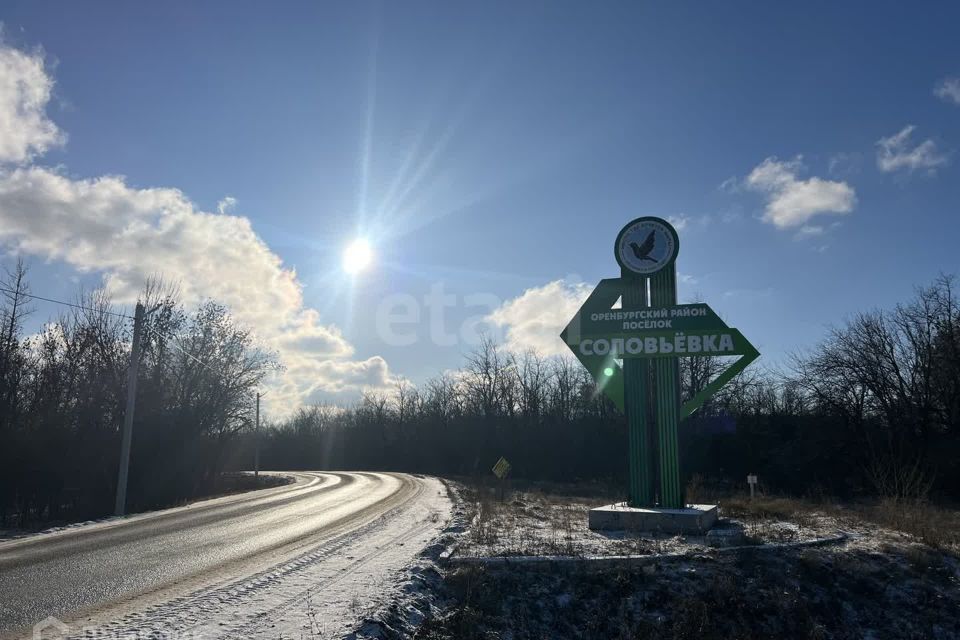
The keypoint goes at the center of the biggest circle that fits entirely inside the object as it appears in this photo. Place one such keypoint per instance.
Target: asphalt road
(103, 570)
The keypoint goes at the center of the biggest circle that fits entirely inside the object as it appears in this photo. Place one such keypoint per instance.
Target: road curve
(104, 570)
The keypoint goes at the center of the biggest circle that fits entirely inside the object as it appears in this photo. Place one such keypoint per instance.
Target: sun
(357, 256)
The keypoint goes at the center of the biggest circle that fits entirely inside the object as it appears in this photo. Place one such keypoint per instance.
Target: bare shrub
(935, 526)
(899, 480)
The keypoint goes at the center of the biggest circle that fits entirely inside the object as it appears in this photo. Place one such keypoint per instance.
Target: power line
(172, 339)
(68, 304)
(155, 332)
(173, 343)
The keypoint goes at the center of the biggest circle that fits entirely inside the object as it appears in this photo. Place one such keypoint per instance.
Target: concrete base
(726, 534)
(696, 518)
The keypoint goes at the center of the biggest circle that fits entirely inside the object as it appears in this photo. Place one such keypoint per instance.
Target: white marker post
(752, 481)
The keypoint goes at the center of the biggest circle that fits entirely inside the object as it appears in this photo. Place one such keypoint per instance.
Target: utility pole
(256, 442)
(121, 505)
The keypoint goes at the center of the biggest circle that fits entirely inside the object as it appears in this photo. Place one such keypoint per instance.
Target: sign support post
(663, 292)
(636, 381)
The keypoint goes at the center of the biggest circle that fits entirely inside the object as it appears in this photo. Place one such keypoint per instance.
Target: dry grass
(777, 519)
(548, 520)
(938, 527)
(933, 525)
(527, 523)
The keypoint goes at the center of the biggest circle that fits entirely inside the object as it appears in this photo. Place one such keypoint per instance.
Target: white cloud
(948, 90)
(896, 153)
(729, 217)
(730, 185)
(128, 234)
(535, 318)
(809, 231)
(683, 222)
(226, 205)
(679, 222)
(25, 87)
(844, 164)
(793, 201)
(312, 380)
(307, 335)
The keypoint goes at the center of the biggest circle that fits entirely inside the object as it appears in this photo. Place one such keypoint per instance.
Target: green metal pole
(663, 292)
(636, 381)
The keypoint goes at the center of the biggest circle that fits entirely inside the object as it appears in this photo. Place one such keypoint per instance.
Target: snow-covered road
(306, 559)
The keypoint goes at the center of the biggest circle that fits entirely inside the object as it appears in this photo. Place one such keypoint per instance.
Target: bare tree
(15, 292)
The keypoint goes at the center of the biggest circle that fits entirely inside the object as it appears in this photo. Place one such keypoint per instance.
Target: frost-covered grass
(531, 523)
(551, 520)
(936, 526)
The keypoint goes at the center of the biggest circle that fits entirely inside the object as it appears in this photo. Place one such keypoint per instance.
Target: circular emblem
(646, 245)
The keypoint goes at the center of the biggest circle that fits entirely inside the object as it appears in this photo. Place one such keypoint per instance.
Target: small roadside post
(752, 481)
(256, 442)
(501, 469)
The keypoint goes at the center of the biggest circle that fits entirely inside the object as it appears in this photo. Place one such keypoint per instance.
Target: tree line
(873, 409)
(63, 391)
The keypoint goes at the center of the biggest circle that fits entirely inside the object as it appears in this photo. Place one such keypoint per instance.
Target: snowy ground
(534, 523)
(872, 582)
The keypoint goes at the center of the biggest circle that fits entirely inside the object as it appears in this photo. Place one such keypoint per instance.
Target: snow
(537, 525)
(813, 572)
(418, 593)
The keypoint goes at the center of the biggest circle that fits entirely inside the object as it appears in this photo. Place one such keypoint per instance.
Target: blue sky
(493, 149)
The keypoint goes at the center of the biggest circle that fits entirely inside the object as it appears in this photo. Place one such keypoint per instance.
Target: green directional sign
(600, 338)
(632, 352)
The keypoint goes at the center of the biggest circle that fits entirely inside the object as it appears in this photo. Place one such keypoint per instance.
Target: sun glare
(357, 256)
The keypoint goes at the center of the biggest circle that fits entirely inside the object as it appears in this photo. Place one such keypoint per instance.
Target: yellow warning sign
(502, 468)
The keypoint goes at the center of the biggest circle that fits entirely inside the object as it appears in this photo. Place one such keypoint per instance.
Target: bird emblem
(642, 251)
